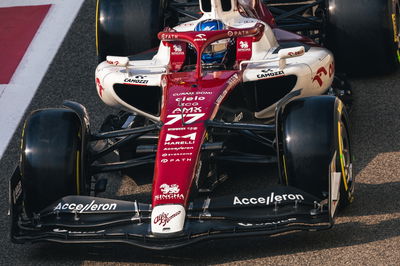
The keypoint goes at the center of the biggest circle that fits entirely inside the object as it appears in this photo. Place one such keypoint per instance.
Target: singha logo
(177, 48)
(244, 45)
(169, 189)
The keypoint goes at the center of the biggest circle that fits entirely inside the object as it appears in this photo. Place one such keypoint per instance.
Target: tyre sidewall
(309, 139)
(50, 156)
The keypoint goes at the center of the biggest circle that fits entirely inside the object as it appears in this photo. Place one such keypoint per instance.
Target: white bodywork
(314, 69)
(167, 219)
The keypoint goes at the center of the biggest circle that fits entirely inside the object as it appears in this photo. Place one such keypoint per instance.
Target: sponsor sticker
(267, 200)
(166, 36)
(178, 148)
(169, 192)
(190, 98)
(137, 79)
(176, 160)
(270, 73)
(201, 37)
(182, 128)
(295, 53)
(165, 188)
(163, 219)
(186, 110)
(80, 208)
(176, 154)
(318, 77)
(177, 49)
(238, 33)
(244, 46)
(170, 137)
(115, 63)
(192, 93)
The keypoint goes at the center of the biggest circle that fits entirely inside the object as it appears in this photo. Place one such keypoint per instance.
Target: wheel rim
(396, 26)
(346, 165)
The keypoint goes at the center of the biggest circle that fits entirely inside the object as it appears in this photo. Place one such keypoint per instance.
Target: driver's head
(216, 51)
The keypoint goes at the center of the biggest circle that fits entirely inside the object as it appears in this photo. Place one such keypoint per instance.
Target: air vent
(145, 98)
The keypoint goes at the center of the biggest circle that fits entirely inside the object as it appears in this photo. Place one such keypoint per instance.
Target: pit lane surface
(367, 233)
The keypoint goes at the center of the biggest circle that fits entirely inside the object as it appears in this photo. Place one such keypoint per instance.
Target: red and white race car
(227, 91)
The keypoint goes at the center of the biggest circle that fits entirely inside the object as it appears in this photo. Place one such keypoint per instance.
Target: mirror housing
(118, 60)
(283, 54)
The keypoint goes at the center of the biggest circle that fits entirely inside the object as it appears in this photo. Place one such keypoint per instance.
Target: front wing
(84, 219)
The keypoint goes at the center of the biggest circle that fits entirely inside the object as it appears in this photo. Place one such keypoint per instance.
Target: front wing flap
(84, 219)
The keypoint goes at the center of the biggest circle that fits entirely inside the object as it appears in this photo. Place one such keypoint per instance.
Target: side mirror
(283, 54)
(118, 60)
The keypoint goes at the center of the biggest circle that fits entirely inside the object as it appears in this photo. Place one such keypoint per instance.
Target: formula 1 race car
(227, 92)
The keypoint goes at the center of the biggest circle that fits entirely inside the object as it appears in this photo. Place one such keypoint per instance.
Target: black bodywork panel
(85, 219)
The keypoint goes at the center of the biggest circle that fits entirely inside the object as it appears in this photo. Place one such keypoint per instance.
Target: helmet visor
(217, 47)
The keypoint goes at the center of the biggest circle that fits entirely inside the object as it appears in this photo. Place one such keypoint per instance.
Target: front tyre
(315, 134)
(50, 158)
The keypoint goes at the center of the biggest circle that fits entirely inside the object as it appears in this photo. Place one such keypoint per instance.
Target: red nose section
(187, 104)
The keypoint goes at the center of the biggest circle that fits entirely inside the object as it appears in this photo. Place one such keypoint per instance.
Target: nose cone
(167, 219)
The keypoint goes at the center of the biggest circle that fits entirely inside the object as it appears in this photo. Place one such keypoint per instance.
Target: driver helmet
(216, 51)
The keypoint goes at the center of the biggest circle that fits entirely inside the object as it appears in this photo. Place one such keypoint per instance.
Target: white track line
(11, 3)
(16, 96)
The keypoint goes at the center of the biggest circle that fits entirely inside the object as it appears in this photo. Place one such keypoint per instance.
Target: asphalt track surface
(367, 233)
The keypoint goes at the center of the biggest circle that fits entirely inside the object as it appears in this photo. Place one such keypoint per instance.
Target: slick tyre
(127, 27)
(316, 144)
(50, 158)
(364, 35)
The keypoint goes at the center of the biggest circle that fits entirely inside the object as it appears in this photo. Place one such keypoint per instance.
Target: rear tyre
(50, 158)
(314, 131)
(364, 35)
(127, 27)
